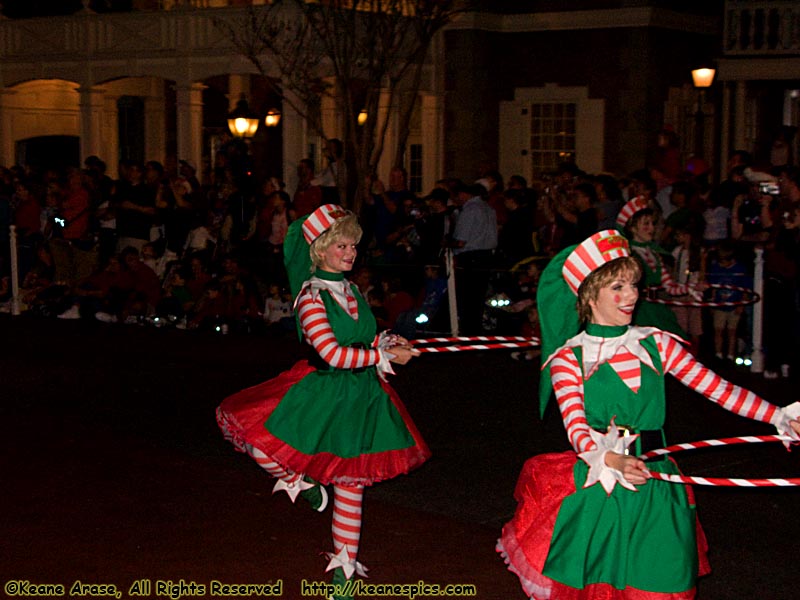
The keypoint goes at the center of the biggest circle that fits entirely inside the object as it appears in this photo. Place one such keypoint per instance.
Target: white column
(757, 356)
(190, 122)
(331, 117)
(155, 123)
(111, 136)
(390, 139)
(432, 116)
(725, 134)
(739, 116)
(92, 104)
(237, 85)
(295, 143)
(7, 139)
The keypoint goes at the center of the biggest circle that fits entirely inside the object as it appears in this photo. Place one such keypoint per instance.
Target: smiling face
(340, 256)
(615, 301)
(643, 229)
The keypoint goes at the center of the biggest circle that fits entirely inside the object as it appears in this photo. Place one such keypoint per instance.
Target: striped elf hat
(631, 208)
(593, 252)
(320, 220)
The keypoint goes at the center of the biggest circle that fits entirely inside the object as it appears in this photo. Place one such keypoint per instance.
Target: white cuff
(386, 339)
(384, 366)
(786, 414)
(596, 459)
(384, 342)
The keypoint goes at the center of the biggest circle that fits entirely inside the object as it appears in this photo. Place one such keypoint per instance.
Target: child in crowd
(525, 303)
(201, 238)
(689, 265)
(177, 300)
(211, 309)
(157, 262)
(725, 270)
(278, 314)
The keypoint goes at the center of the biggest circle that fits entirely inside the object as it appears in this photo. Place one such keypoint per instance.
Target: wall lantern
(703, 78)
(273, 117)
(362, 116)
(243, 122)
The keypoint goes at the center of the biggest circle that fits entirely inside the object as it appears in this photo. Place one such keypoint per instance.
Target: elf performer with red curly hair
(331, 419)
(631, 537)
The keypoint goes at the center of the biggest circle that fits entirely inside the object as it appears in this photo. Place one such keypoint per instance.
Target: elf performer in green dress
(331, 419)
(636, 218)
(632, 537)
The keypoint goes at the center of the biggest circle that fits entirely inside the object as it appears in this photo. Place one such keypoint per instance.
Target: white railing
(115, 35)
(762, 28)
(177, 4)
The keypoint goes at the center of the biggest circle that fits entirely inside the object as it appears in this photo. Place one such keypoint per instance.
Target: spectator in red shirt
(307, 197)
(74, 251)
(146, 290)
(395, 301)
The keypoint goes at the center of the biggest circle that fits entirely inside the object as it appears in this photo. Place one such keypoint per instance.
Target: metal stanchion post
(451, 292)
(14, 270)
(757, 355)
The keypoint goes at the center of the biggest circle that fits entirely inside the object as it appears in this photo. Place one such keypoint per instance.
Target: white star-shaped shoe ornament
(342, 560)
(596, 459)
(293, 489)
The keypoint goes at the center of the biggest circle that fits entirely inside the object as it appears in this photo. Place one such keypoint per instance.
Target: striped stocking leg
(346, 531)
(292, 483)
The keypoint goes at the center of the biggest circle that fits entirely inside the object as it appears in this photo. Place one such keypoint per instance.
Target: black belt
(316, 361)
(649, 439)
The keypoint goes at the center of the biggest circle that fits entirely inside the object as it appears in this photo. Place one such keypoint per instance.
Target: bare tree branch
(366, 48)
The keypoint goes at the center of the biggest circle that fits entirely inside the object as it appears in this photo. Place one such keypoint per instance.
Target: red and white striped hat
(604, 246)
(631, 208)
(320, 220)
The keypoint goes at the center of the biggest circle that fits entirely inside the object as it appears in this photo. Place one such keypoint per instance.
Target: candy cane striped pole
(752, 299)
(477, 338)
(722, 481)
(492, 343)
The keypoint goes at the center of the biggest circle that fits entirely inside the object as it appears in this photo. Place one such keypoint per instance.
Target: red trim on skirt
(241, 418)
(525, 541)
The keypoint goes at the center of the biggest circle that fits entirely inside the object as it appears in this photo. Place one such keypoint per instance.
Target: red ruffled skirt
(543, 484)
(242, 418)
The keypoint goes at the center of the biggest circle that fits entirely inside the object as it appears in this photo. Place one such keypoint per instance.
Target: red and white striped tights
(347, 502)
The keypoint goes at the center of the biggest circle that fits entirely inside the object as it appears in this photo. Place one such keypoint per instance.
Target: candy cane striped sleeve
(565, 373)
(672, 287)
(317, 332)
(680, 363)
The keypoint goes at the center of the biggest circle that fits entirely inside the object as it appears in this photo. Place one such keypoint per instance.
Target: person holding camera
(752, 215)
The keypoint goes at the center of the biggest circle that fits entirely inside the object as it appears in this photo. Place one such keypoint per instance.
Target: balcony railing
(762, 28)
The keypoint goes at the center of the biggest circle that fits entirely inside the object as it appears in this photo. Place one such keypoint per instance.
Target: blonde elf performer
(331, 419)
(591, 523)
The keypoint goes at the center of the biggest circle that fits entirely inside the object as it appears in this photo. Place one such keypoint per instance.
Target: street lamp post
(243, 122)
(702, 79)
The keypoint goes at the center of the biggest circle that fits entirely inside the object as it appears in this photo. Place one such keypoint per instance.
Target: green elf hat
(300, 236)
(558, 289)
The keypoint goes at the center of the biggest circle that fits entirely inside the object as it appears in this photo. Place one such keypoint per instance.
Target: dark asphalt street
(114, 471)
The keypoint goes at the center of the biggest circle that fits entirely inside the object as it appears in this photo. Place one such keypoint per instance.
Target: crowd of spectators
(164, 248)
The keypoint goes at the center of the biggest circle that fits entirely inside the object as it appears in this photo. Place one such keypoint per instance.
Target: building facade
(589, 82)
